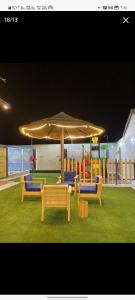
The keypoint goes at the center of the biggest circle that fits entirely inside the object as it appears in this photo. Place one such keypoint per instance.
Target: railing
(112, 171)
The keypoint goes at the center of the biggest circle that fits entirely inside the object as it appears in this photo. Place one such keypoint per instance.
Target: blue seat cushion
(33, 188)
(69, 176)
(88, 189)
(69, 182)
(27, 178)
(96, 179)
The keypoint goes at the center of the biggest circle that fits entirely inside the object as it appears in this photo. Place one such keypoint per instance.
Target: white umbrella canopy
(59, 127)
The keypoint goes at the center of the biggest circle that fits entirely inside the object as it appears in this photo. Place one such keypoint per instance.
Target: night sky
(101, 93)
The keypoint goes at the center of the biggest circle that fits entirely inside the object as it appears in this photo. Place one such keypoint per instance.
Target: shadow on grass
(55, 217)
(92, 201)
(31, 199)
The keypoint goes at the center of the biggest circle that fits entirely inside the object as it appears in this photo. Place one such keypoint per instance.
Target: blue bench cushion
(33, 187)
(69, 176)
(27, 178)
(69, 183)
(88, 189)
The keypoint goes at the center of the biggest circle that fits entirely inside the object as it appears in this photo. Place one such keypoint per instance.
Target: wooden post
(68, 162)
(125, 170)
(84, 169)
(62, 155)
(116, 167)
(72, 165)
(130, 168)
(112, 171)
(76, 166)
(80, 168)
(89, 165)
(121, 171)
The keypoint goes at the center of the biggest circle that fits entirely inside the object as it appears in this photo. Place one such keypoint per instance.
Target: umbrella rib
(51, 129)
(67, 131)
(81, 131)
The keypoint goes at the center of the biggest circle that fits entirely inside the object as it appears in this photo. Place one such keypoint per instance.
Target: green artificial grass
(51, 177)
(15, 179)
(114, 222)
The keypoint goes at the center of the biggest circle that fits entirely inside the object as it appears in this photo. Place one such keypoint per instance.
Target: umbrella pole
(62, 155)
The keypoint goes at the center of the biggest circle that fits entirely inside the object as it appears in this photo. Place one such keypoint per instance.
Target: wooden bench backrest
(55, 195)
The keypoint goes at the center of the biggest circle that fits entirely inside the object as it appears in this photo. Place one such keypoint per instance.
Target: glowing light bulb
(5, 106)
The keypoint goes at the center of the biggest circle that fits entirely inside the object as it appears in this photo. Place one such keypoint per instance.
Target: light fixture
(5, 105)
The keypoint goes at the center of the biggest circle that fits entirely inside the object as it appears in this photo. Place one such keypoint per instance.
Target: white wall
(126, 146)
(131, 127)
(48, 157)
(112, 150)
(75, 150)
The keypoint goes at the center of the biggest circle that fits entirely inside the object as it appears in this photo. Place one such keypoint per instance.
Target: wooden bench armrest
(86, 184)
(89, 183)
(87, 179)
(40, 178)
(33, 181)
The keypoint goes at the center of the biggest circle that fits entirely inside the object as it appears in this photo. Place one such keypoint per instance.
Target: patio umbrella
(59, 127)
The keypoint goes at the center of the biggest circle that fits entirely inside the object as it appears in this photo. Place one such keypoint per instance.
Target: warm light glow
(40, 127)
(64, 126)
(66, 137)
(6, 107)
(36, 128)
(70, 126)
(30, 131)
